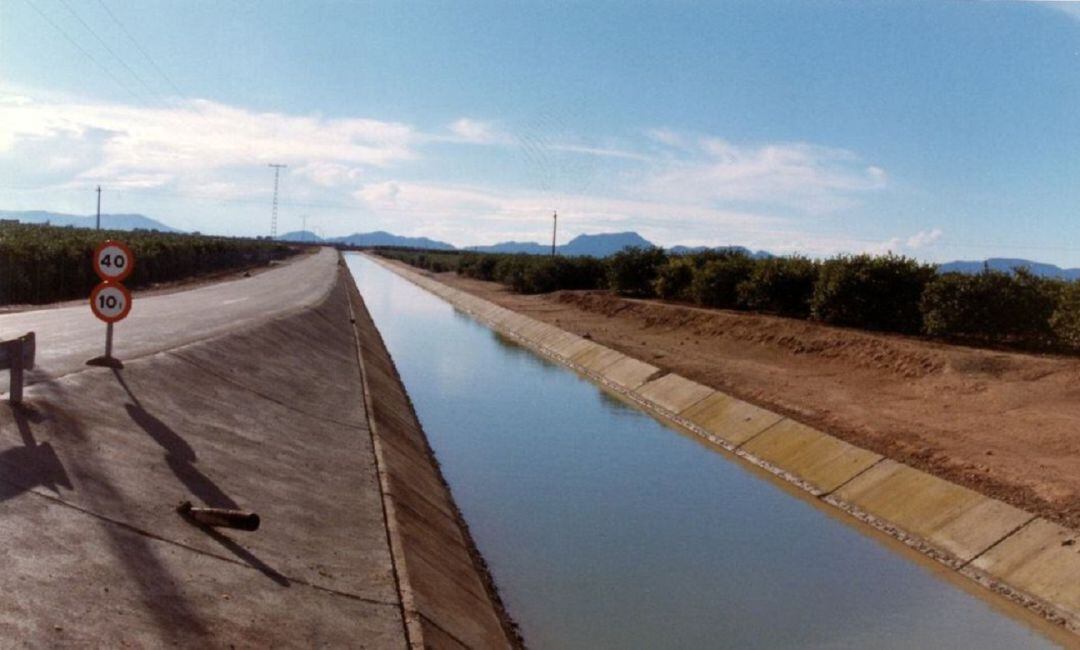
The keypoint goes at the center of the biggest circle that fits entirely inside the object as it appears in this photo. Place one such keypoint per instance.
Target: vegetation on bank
(885, 293)
(40, 264)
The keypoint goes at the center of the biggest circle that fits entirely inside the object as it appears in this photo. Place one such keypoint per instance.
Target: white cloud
(143, 145)
(806, 177)
(924, 238)
(471, 131)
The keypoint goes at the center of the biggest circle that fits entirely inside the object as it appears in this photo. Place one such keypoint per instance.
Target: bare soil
(1004, 423)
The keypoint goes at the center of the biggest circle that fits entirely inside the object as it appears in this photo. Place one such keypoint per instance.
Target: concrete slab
(597, 358)
(674, 392)
(74, 580)
(1041, 559)
(811, 456)
(943, 514)
(629, 373)
(729, 419)
(567, 345)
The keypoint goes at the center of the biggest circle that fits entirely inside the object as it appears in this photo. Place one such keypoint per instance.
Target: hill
(1007, 264)
(600, 245)
(111, 221)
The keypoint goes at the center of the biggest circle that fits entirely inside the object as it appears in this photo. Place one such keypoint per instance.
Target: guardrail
(17, 355)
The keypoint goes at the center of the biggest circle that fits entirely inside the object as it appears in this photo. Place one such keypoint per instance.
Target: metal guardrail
(17, 355)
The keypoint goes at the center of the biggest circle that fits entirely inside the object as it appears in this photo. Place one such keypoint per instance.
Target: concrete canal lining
(1010, 551)
(448, 598)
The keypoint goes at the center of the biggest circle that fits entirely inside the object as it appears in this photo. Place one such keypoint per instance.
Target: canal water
(603, 528)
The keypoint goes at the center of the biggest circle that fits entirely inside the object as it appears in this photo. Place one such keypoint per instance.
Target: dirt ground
(1004, 423)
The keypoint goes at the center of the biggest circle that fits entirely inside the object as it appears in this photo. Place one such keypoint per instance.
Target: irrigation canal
(605, 528)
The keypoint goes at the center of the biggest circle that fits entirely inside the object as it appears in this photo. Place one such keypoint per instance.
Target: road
(245, 394)
(68, 336)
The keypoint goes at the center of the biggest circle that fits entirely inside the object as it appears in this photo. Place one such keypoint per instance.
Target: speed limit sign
(110, 302)
(113, 261)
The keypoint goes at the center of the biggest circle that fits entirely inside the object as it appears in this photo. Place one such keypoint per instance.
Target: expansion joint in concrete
(997, 543)
(739, 446)
(854, 476)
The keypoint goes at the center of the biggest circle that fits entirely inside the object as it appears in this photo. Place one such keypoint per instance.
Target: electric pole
(273, 214)
(303, 228)
(99, 207)
(554, 230)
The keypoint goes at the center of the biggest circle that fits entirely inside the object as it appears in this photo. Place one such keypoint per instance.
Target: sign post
(17, 355)
(110, 300)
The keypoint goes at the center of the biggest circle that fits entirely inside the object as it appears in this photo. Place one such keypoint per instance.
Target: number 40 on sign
(110, 300)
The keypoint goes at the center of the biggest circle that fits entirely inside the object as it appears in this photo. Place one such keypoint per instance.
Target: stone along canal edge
(1014, 553)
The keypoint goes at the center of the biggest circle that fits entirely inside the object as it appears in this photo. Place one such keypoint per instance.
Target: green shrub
(510, 270)
(716, 282)
(546, 274)
(674, 278)
(991, 306)
(633, 270)
(1065, 321)
(480, 266)
(880, 293)
(782, 285)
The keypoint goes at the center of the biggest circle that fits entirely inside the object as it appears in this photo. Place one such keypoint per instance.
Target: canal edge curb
(428, 591)
(1033, 573)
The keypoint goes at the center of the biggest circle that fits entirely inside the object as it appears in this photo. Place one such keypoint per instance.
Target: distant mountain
(690, 250)
(1006, 264)
(604, 244)
(382, 238)
(300, 236)
(110, 221)
(592, 245)
(529, 247)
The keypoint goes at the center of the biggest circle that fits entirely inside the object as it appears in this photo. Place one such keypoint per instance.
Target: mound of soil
(1004, 423)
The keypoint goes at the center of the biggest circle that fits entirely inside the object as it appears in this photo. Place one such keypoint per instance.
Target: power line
(89, 56)
(139, 47)
(108, 49)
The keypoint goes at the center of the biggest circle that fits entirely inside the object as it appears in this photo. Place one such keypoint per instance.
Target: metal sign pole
(16, 390)
(108, 341)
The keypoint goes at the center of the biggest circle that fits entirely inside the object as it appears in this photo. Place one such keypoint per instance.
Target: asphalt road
(68, 336)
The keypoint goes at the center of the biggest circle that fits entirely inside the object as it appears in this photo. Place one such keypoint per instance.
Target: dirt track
(1006, 424)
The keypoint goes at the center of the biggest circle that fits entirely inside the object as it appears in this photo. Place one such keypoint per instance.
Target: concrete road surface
(68, 336)
(245, 394)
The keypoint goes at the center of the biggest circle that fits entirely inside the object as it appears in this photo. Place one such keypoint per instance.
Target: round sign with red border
(110, 301)
(113, 261)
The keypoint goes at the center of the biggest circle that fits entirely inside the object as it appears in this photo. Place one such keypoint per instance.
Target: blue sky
(939, 130)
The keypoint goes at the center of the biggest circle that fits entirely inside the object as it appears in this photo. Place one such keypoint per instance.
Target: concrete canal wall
(1030, 560)
(448, 599)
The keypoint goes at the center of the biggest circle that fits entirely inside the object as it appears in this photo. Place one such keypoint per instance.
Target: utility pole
(99, 207)
(273, 215)
(303, 228)
(554, 229)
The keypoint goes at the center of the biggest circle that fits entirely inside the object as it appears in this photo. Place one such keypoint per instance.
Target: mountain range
(109, 221)
(600, 245)
(1007, 264)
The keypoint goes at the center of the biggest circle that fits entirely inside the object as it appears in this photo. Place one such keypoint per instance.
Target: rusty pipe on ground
(222, 517)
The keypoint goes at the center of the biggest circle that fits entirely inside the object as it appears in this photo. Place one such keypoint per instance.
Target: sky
(939, 130)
